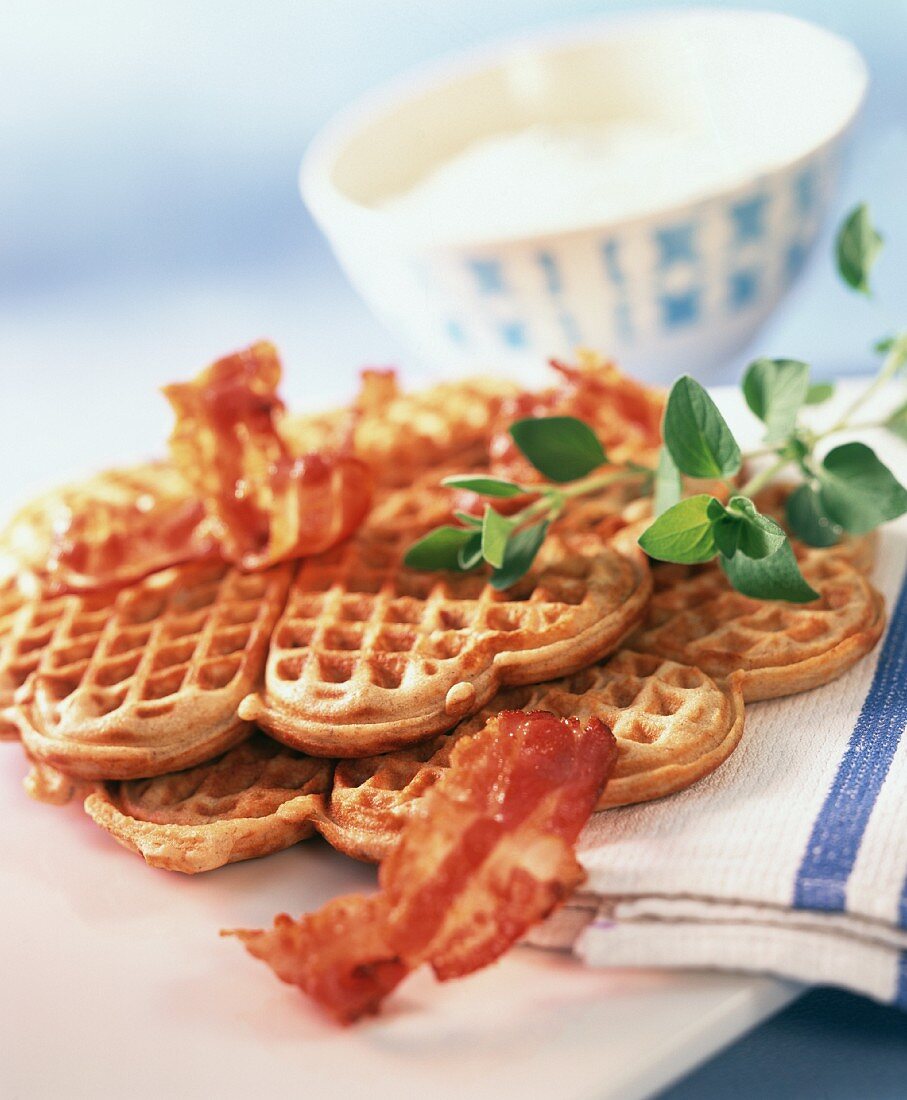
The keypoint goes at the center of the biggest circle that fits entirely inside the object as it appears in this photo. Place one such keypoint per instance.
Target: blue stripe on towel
(900, 994)
(839, 828)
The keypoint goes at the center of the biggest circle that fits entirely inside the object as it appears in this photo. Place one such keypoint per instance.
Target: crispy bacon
(265, 503)
(626, 415)
(489, 854)
(338, 956)
(114, 528)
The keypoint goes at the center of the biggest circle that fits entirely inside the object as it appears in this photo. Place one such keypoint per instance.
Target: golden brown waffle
(410, 432)
(673, 724)
(370, 656)
(695, 617)
(46, 784)
(258, 798)
(13, 668)
(147, 678)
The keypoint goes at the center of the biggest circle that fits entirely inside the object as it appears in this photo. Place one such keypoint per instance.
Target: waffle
(370, 656)
(46, 784)
(411, 432)
(673, 726)
(256, 799)
(695, 617)
(144, 679)
(13, 667)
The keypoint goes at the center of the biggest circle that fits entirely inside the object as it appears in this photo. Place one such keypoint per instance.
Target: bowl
(669, 285)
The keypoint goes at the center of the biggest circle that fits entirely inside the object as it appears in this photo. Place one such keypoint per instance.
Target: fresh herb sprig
(848, 491)
(564, 450)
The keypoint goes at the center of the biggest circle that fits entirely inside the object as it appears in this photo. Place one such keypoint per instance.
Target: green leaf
(857, 491)
(759, 536)
(495, 533)
(439, 549)
(775, 390)
(895, 351)
(897, 422)
(668, 486)
(484, 486)
(469, 520)
(776, 577)
(819, 392)
(857, 246)
(884, 345)
(519, 555)
(685, 532)
(560, 447)
(470, 553)
(807, 519)
(695, 432)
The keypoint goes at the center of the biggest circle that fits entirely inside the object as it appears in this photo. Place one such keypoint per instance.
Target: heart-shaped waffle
(673, 724)
(144, 679)
(256, 799)
(780, 648)
(370, 655)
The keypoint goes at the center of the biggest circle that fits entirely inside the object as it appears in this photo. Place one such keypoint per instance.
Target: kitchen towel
(790, 859)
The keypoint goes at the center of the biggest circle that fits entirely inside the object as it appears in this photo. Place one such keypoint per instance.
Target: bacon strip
(489, 855)
(625, 415)
(266, 504)
(111, 529)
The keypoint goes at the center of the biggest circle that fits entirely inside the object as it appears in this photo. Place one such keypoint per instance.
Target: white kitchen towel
(790, 859)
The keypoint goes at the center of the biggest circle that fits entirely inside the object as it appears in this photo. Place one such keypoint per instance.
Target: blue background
(150, 220)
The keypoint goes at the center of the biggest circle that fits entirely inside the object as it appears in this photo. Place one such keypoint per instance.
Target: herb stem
(894, 360)
(760, 480)
(552, 501)
(592, 484)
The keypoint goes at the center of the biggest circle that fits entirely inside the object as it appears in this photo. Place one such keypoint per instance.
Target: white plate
(114, 978)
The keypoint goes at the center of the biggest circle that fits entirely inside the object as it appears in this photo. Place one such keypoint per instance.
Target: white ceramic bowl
(679, 288)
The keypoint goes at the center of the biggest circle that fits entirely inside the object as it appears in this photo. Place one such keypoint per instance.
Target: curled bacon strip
(625, 415)
(489, 855)
(265, 503)
(109, 530)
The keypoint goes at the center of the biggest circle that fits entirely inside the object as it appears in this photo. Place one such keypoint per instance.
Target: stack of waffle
(208, 715)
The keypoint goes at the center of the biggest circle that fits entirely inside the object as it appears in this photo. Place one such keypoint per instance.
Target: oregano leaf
(484, 486)
(807, 519)
(495, 533)
(560, 447)
(775, 577)
(897, 422)
(819, 392)
(857, 247)
(683, 533)
(439, 549)
(522, 548)
(469, 520)
(759, 536)
(775, 390)
(470, 553)
(696, 434)
(668, 484)
(857, 491)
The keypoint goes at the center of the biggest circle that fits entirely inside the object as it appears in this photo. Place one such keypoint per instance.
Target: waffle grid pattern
(153, 668)
(256, 799)
(695, 617)
(673, 726)
(359, 626)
